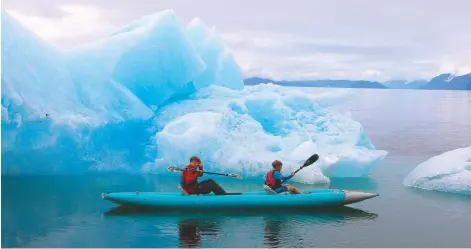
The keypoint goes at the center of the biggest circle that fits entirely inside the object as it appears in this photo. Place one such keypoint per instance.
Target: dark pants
(208, 186)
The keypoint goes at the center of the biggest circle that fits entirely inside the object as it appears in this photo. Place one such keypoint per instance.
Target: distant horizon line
(345, 79)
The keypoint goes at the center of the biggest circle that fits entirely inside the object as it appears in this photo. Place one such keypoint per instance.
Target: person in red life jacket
(189, 180)
(274, 179)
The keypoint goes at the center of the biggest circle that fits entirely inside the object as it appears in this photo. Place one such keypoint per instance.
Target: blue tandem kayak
(246, 200)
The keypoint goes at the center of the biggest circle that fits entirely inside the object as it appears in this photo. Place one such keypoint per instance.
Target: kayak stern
(356, 196)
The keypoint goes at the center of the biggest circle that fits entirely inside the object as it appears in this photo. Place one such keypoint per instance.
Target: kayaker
(274, 178)
(189, 180)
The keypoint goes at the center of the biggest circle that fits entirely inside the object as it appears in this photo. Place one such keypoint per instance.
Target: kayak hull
(249, 200)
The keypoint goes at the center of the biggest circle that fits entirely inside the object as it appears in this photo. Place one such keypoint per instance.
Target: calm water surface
(67, 211)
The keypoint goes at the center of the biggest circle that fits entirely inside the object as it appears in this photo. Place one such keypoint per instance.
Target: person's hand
(292, 173)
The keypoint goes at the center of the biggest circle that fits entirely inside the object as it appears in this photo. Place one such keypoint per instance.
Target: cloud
(401, 39)
(295, 56)
(76, 23)
(371, 73)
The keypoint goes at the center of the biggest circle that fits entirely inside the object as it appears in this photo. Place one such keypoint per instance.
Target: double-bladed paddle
(175, 169)
(308, 162)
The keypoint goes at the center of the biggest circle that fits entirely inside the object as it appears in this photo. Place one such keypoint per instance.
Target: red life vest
(189, 179)
(271, 182)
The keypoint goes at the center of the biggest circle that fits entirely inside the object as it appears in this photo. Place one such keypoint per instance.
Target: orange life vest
(271, 182)
(189, 178)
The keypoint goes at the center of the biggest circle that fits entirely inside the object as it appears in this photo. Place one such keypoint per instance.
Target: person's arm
(277, 175)
(200, 168)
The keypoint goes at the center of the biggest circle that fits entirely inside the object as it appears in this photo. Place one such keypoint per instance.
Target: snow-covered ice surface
(155, 92)
(244, 131)
(448, 172)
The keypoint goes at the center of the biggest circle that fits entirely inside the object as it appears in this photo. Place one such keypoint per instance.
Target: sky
(291, 40)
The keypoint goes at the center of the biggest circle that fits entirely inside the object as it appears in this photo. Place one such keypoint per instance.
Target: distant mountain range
(449, 82)
(440, 82)
(402, 84)
(318, 83)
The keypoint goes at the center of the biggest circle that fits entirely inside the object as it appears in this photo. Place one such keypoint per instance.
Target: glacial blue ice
(36, 81)
(448, 172)
(221, 67)
(244, 131)
(152, 94)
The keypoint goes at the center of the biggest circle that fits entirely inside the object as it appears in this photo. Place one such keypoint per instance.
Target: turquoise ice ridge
(448, 172)
(155, 92)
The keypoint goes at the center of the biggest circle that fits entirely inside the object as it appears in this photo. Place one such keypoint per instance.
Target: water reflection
(272, 232)
(279, 228)
(188, 233)
(319, 212)
(191, 230)
(282, 230)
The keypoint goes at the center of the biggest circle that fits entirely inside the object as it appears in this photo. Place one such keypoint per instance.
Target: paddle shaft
(213, 173)
(298, 170)
(294, 173)
(308, 162)
(205, 172)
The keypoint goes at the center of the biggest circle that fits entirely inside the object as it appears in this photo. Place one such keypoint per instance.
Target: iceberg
(154, 93)
(244, 131)
(50, 114)
(38, 86)
(221, 67)
(158, 60)
(448, 172)
(30, 72)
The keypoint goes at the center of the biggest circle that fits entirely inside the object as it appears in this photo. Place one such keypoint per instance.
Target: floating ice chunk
(448, 172)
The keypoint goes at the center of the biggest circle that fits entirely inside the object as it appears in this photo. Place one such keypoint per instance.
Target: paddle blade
(173, 169)
(311, 160)
(235, 176)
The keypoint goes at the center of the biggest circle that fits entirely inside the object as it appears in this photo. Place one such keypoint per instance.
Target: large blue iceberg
(244, 131)
(448, 172)
(155, 92)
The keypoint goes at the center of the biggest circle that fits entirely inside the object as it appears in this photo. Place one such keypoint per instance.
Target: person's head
(195, 161)
(277, 164)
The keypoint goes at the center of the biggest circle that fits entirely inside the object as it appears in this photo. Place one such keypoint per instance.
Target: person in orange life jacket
(274, 179)
(189, 180)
